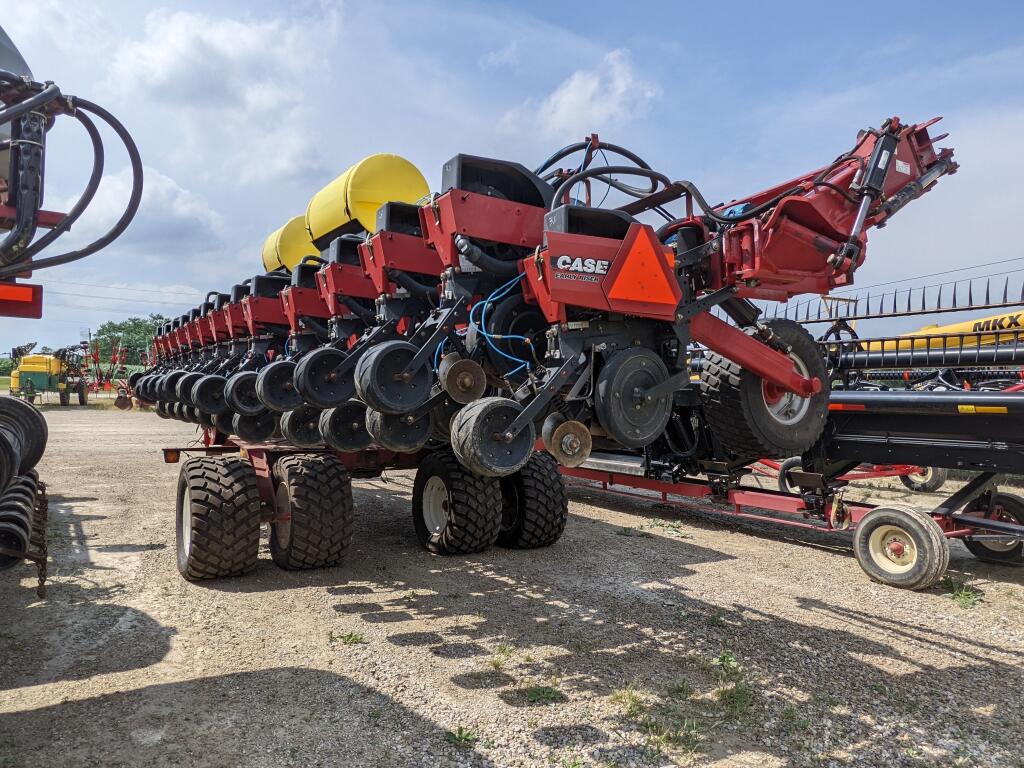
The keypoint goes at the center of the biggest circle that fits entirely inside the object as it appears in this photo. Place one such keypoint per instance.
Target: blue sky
(243, 110)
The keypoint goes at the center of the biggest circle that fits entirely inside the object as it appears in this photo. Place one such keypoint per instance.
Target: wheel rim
(186, 522)
(892, 549)
(435, 505)
(786, 408)
(998, 513)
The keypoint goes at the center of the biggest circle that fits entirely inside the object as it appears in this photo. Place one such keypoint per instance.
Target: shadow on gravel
(282, 717)
(615, 610)
(46, 641)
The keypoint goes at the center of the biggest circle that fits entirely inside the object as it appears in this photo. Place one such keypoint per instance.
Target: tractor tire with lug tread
(736, 404)
(928, 481)
(1009, 508)
(65, 397)
(901, 546)
(83, 394)
(454, 511)
(535, 507)
(218, 518)
(317, 490)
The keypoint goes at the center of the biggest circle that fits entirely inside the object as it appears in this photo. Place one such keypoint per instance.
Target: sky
(243, 110)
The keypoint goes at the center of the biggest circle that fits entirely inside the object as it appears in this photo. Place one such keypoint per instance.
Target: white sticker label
(902, 167)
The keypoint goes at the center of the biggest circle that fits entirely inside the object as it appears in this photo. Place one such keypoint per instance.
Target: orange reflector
(847, 407)
(642, 275)
(10, 292)
(171, 456)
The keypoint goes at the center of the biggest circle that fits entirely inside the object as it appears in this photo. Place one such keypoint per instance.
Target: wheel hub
(783, 406)
(893, 549)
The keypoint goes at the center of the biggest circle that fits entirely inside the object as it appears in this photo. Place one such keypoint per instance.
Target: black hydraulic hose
(45, 96)
(129, 213)
(487, 263)
(602, 170)
(411, 284)
(364, 314)
(86, 197)
(316, 326)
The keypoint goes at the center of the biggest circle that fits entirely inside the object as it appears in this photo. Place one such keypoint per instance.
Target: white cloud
(508, 56)
(609, 96)
(237, 91)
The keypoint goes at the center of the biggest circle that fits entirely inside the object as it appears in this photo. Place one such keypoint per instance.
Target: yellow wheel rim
(892, 549)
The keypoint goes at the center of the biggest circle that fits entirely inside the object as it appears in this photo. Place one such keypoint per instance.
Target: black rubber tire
(301, 427)
(473, 430)
(1013, 506)
(933, 479)
(316, 488)
(275, 386)
(793, 462)
(64, 397)
(473, 507)
(29, 421)
(375, 383)
(535, 507)
(391, 433)
(240, 394)
(735, 409)
(254, 429)
(83, 394)
(208, 394)
(224, 514)
(344, 428)
(932, 547)
(316, 381)
(183, 389)
(515, 316)
(165, 387)
(632, 424)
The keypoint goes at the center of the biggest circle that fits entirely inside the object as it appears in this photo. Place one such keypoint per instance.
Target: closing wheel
(757, 420)
(223, 422)
(441, 416)
(378, 382)
(15, 538)
(1007, 507)
(463, 380)
(396, 433)
(301, 427)
(627, 414)
(318, 381)
(254, 429)
(929, 479)
(901, 546)
(208, 394)
(203, 419)
(314, 507)
(344, 428)
(535, 508)
(166, 387)
(240, 394)
(479, 437)
(454, 511)
(275, 386)
(218, 517)
(161, 410)
(567, 440)
(183, 387)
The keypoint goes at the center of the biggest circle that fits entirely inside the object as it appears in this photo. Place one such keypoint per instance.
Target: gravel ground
(649, 635)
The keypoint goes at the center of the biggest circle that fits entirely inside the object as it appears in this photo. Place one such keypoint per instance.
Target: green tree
(134, 334)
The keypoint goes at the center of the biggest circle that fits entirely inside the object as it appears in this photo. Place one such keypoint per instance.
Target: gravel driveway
(649, 635)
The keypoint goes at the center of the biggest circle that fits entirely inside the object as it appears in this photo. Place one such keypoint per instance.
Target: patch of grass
(461, 737)
(496, 662)
(681, 690)
(672, 527)
(632, 704)
(728, 666)
(961, 592)
(505, 649)
(717, 619)
(736, 699)
(672, 734)
(543, 694)
(571, 762)
(349, 638)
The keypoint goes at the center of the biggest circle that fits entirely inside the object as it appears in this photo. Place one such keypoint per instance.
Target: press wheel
(344, 428)
(394, 432)
(317, 380)
(378, 378)
(479, 442)
(301, 426)
(240, 394)
(275, 386)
